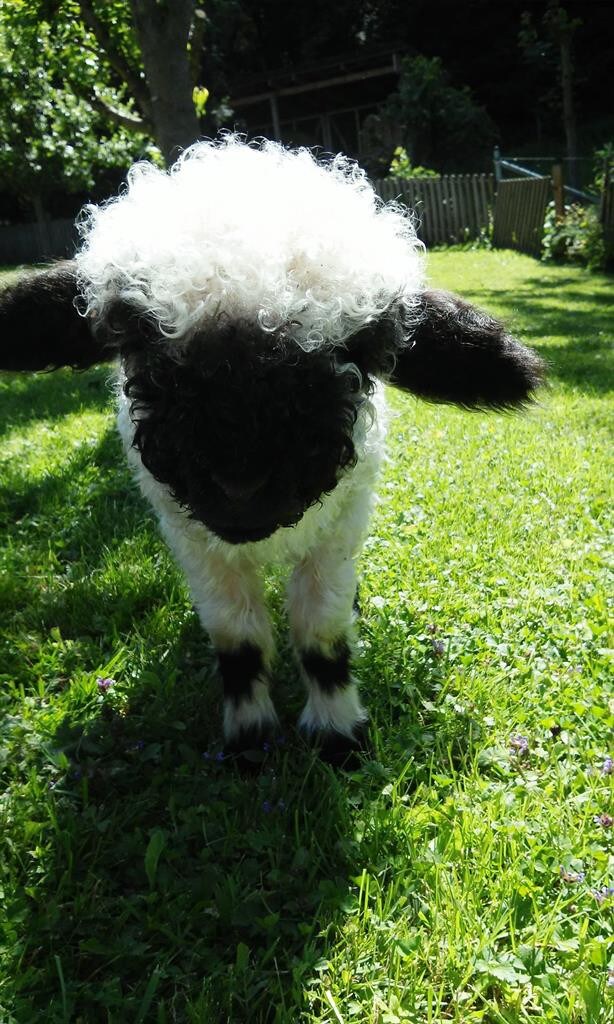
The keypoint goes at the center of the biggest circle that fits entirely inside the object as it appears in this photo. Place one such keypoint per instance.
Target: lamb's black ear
(446, 350)
(40, 327)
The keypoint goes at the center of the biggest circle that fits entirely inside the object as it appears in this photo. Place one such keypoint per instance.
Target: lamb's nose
(240, 490)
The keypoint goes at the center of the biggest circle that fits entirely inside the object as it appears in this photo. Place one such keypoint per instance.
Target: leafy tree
(552, 47)
(164, 31)
(86, 85)
(50, 138)
(438, 125)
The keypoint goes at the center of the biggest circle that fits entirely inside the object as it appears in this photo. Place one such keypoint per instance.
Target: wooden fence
(520, 210)
(452, 208)
(606, 213)
(27, 243)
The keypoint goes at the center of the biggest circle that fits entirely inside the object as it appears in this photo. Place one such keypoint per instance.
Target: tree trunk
(162, 29)
(569, 114)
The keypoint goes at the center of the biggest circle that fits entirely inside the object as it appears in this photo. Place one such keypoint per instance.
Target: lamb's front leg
(320, 606)
(230, 603)
(229, 598)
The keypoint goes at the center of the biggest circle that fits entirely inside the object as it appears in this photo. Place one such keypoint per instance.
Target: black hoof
(341, 751)
(251, 747)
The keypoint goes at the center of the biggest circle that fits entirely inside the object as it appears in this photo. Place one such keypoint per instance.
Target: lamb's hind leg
(320, 605)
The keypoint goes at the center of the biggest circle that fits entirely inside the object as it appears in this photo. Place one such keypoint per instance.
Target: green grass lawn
(463, 874)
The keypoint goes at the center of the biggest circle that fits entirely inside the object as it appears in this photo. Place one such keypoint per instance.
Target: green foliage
(51, 138)
(463, 873)
(438, 124)
(200, 95)
(603, 166)
(577, 237)
(402, 167)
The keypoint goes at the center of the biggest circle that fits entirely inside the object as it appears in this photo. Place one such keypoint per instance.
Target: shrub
(604, 166)
(402, 167)
(576, 238)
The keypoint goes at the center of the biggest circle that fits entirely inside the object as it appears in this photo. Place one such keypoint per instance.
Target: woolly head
(232, 285)
(256, 233)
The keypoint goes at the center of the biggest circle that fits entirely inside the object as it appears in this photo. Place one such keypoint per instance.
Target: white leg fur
(340, 711)
(228, 596)
(251, 715)
(229, 599)
(320, 607)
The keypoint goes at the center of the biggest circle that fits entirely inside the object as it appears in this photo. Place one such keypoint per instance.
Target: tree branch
(115, 57)
(132, 122)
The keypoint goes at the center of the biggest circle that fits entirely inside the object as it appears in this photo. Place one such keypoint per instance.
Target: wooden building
(317, 105)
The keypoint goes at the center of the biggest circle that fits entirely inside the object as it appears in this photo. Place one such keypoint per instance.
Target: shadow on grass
(27, 397)
(168, 863)
(64, 490)
(582, 358)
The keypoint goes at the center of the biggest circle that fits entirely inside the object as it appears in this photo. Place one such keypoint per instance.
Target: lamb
(256, 300)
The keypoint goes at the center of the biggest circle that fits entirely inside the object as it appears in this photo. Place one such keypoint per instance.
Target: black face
(247, 430)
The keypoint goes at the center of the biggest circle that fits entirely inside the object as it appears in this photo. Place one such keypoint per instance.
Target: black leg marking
(329, 673)
(249, 716)
(333, 720)
(239, 669)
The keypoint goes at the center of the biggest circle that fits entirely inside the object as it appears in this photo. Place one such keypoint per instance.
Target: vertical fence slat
(438, 199)
(450, 218)
(460, 221)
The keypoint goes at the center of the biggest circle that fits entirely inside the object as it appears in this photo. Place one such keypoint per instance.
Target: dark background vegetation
(103, 83)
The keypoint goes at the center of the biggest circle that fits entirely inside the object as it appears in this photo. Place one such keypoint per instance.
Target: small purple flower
(104, 683)
(608, 766)
(267, 806)
(220, 755)
(266, 747)
(605, 820)
(572, 876)
(603, 894)
(439, 648)
(519, 745)
(206, 756)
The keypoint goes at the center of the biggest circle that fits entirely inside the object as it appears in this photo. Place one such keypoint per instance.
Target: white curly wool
(251, 231)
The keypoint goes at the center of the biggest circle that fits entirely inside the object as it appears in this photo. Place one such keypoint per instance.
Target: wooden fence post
(604, 191)
(496, 157)
(558, 190)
